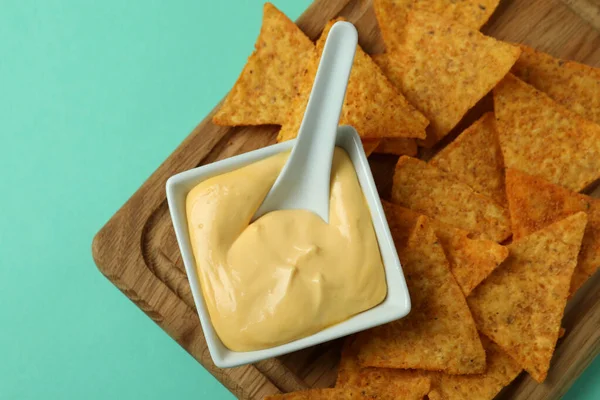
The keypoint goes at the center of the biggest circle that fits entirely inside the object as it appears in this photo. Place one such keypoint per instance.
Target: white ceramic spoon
(305, 178)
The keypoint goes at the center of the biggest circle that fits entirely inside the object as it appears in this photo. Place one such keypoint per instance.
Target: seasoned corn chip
(373, 106)
(475, 158)
(400, 381)
(535, 203)
(521, 304)
(444, 69)
(391, 14)
(576, 86)
(271, 78)
(501, 370)
(471, 260)
(439, 334)
(541, 137)
(430, 191)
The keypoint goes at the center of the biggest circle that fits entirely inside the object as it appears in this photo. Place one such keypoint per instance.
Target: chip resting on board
(373, 106)
(541, 137)
(373, 392)
(397, 146)
(521, 304)
(576, 86)
(471, 260)
(391, 14)
(535, 203)
(475, 158)
(439, 333)
(271, 78)
(501, 370)
(430, 191)
(406, 384)
(444, 69)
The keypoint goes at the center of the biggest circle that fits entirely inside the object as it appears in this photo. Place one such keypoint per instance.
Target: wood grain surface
(137, 250)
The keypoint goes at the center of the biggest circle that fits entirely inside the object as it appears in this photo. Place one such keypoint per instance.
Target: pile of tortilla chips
(492, 232)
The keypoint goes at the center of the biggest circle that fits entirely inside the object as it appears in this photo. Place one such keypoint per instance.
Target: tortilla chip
(391, 14)
(270, 80)
(521, 304)
(403, 382)
(398, 147)
(576, 86)
(430, 191)
(471, 260)
(501, 370)
(475, 158)
(561, 333)
(444, 69)
(370, 145)
(373, 106)
(439, 334)
(535, 203)
(373, 392)
(541, 137)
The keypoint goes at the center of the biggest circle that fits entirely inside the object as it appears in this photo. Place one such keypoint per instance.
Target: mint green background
(94, 95)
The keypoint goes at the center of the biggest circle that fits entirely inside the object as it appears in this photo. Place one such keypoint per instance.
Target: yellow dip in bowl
(288, 274)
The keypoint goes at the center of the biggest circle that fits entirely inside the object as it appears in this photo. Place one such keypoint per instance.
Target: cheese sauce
(288, 274)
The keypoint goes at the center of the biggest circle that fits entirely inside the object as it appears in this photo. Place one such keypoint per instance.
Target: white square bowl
(396, 304)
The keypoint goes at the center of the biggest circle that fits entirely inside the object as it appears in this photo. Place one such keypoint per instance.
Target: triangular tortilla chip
(475, 158)
(400, 381)
(439, 333)
(373, 392)
(521, 304)
(444, 69)
(471, 260)
(391, 14)
(575, 86)
(535, 203)
(541, 137)
(397, 146)
(501, 370)
(430, 191)
(372, 105)
(270, 80)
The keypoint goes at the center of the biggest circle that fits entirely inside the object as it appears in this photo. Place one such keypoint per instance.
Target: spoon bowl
(305, 178)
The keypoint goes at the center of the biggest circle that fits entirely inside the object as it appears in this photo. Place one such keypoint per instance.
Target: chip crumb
(397, 146)
(370, 145)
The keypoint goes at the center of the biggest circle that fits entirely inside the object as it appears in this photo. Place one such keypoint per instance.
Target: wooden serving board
(137, 250)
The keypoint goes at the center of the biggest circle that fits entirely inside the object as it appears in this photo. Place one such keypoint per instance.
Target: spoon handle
(305, 179)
